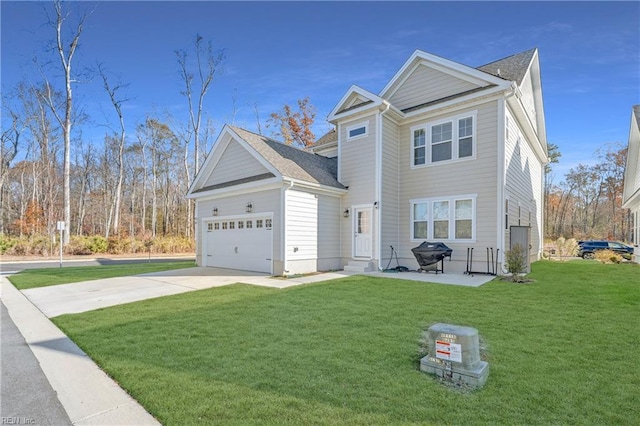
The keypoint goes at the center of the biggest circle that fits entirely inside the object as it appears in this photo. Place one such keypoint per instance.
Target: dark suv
(586, 249)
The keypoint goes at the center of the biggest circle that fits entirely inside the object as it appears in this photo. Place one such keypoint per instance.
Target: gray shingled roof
(512, 68)
(327, 138)
(293, 162)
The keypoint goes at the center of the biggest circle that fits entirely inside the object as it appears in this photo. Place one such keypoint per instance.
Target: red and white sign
(448, 351)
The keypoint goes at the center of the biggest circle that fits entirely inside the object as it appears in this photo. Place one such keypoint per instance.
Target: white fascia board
(455, 69)
(528, 128)
(316, 187)
(334, 114)
(221, 143)
(245, 188)
(633, 156)
(463, 102)
(267, 165)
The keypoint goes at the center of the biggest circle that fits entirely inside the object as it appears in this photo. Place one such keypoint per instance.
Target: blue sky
(279, 52)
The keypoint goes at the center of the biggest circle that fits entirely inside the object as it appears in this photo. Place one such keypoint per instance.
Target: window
(506, 214)
(444, 141)
(420, 220)
(464, 219)
(419, 144)
(240, 224)
(440, 219)
(441, 142)
(259, 223)
(267, 223)
(224, 225)
(232, 225)
(216, 226)
(357, 130)
(449, 218)
(209, 227)
(249, 224)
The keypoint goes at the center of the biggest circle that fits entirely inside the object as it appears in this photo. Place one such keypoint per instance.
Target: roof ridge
(507, 57)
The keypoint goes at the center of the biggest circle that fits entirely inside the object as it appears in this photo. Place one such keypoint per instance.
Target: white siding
(301, 232)
(357, 172)
(426, 84)
(235, 163)
(329, 218)
(477, 176)
(389, 206)
(263, 202)
(523, 185)
(528, 100)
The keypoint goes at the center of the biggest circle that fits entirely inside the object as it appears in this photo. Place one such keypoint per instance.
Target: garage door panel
(240, 247)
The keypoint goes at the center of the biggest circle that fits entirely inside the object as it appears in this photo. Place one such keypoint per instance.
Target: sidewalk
(87, 394)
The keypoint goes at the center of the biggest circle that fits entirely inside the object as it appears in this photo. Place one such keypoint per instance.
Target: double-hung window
(443, 218)
(442, 141)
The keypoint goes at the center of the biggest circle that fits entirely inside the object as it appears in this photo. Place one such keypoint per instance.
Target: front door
(362, 232)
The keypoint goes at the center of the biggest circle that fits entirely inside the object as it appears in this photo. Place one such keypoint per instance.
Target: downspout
(283, 233)
(379, 181)
(501, 173)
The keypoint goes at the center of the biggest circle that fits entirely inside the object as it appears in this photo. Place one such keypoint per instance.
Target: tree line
(587, 204)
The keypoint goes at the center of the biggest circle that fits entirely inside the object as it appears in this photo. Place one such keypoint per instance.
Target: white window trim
(452, 202)
(364, 124)
(455, 140)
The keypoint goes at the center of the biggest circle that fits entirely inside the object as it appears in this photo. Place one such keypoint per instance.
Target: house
(631, 192)
(445, 152)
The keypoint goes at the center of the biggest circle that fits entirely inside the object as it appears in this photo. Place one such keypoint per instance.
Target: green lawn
(562, 350)
(32, 278)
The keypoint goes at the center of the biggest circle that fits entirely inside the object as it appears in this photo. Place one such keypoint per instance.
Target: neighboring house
(444, 152)
(631, 193)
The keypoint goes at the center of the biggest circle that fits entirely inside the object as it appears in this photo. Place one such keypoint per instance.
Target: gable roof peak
(513, 67)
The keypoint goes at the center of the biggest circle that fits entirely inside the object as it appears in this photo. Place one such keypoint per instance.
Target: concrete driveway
(89, 295)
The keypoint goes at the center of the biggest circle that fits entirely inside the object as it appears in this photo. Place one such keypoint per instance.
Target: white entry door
(362, 226)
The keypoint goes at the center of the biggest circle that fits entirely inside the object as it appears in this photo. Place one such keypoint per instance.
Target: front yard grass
(32, 278)
(561, 350)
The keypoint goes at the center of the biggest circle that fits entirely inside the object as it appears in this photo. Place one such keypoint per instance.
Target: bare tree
(117, 102)
(65, 51)
(208, 62)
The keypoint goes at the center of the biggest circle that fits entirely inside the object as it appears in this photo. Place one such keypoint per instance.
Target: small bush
(6, 243)
(607, 256)
(516, 262)
(566, 248)
(77, 246)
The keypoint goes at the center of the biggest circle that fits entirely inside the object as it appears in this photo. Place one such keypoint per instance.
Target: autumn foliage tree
(295, 126)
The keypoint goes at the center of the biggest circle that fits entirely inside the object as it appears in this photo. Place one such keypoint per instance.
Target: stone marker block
(454, 354)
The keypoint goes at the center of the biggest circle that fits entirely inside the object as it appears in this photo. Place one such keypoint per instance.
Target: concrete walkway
(87, 394)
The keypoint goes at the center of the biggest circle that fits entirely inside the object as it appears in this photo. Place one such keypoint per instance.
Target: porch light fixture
(346, 213)
(215, 211)
(249, 207)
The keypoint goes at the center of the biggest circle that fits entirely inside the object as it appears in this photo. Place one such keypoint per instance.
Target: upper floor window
(442, 141)
(444, 218)
(357, 130)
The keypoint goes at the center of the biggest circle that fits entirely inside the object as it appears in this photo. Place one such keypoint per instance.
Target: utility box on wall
(454, 355)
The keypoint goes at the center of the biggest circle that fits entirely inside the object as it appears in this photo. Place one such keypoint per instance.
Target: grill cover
(429, 253)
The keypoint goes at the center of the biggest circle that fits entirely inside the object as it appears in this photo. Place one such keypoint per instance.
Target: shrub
(607, 256)
(516, 262)
(566, 248)
(77, 246)
(6, 243)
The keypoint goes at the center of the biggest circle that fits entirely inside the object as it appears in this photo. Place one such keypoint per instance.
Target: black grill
(429, 254)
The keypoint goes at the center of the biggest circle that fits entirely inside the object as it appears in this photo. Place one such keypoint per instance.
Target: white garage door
(239, 243)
